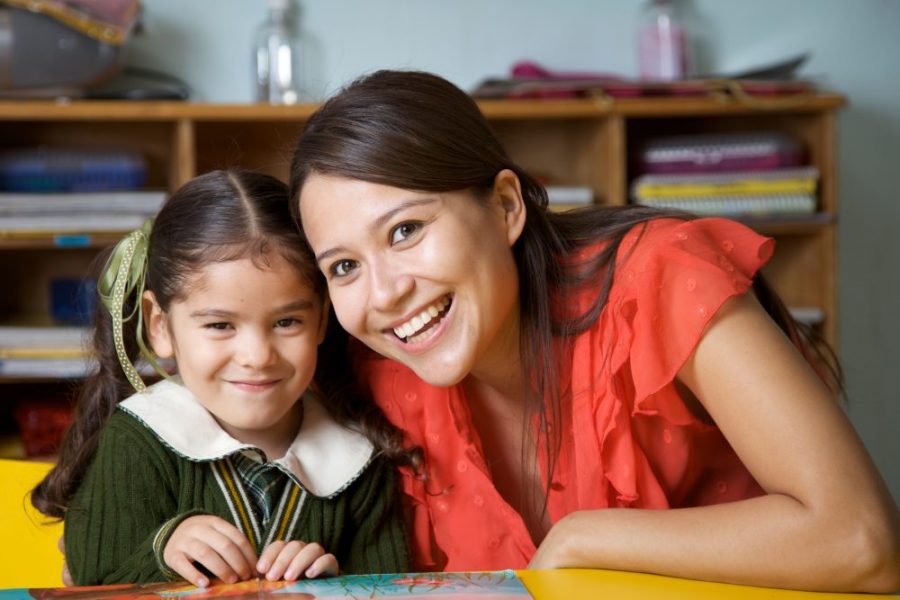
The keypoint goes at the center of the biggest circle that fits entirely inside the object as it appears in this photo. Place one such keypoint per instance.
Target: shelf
(587, 143)
(657, 106)
(800, 225)
(21, 240)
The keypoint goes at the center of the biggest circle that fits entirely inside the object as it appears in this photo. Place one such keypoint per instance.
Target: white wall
(855, 50)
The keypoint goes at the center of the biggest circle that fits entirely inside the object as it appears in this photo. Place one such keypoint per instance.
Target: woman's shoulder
(703, 236)
(656, 253)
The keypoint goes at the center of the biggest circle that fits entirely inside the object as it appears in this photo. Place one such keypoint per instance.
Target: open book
(491, 585)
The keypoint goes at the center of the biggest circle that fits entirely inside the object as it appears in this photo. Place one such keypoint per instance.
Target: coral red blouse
(628, 439)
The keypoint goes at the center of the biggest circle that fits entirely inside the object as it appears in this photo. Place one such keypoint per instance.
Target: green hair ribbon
(123, 276)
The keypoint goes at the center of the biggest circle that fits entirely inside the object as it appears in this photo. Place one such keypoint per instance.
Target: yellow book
(797, 181)
(43, 353)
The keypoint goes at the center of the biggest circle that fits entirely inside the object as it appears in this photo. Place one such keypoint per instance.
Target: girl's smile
(245, 338)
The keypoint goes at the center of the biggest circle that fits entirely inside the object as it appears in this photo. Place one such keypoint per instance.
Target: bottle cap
(279, 4)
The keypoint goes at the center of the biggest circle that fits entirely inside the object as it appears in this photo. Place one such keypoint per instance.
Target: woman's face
(428, 279)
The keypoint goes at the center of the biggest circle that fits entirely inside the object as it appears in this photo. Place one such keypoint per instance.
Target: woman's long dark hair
(416, 131)
(217, 217)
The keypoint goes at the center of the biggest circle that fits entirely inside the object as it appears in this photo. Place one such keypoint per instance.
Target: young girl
(243, 463)
(570, 375)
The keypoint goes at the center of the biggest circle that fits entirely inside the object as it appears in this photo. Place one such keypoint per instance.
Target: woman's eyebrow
(379, 222)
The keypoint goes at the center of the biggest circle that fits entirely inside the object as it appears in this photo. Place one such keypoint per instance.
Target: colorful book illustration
(492, 585)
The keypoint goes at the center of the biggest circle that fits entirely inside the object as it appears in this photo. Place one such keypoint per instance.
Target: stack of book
(43, 352)
(734, 175)
(24, 213)
(59, 190)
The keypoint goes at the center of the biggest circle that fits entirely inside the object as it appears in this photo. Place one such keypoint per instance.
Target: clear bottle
(663, 43)
(277, 68)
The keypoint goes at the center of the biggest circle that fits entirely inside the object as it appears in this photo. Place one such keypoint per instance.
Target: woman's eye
(218, 326)
(342, 268)
(288, 322)
(404, 231)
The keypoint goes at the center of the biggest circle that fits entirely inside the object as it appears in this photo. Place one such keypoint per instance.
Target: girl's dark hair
(217, 217)
(416, 131)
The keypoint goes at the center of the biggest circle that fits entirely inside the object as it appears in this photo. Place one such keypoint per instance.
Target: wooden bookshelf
(583, 142)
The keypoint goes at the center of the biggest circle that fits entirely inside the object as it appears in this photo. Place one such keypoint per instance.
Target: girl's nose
(255, 350)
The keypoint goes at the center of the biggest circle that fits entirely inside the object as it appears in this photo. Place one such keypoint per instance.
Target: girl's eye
(404, 231)
(218, 326)
(288, 322)
(342, 268)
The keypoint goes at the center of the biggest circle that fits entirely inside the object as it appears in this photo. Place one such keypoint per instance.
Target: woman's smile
(428, 279)
(416, 329)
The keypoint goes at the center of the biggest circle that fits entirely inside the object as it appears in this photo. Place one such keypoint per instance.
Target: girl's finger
(324, 565)
(182, 565)
(240, 541)
(206, 555)
(268, 556)
(285, 560)
(303, 561)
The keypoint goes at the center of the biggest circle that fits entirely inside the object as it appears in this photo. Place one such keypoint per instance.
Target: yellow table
(29, 558)
(585, 584)
(28, 554)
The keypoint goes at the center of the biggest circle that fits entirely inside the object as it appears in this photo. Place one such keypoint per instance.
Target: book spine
(736, 205)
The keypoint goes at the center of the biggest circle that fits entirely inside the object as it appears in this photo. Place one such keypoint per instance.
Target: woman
(564, 374)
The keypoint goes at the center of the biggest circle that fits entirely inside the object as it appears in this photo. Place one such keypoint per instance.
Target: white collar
(325, 457)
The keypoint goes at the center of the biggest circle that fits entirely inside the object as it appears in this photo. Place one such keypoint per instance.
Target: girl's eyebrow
(220, 313)
(380, 221)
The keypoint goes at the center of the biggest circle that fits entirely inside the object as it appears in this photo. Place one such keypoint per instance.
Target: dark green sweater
(136, 484)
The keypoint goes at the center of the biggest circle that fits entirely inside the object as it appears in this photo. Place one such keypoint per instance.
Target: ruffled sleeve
(634, 442)
(675, 275)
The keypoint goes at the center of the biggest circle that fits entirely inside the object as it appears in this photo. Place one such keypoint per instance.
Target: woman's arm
(827, 522)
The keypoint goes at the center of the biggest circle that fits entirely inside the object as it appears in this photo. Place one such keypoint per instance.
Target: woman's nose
(388, 286)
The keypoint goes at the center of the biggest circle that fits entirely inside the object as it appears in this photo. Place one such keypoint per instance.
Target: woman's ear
(508, 195)
(157, 327)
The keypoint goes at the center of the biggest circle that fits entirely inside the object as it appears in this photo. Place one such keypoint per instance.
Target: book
(569, 194)
(732, 206)
(489, 585)
(42, 353)
(41, 337)
(39, 368)
(124, 202)
(83, 223)
(795, 181)
(810, 315)
(711, 152)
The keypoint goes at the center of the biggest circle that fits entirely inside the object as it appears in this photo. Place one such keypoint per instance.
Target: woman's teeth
(409, 331)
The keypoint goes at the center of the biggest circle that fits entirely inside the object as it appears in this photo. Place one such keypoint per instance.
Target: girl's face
(428, 279)
(245, 340)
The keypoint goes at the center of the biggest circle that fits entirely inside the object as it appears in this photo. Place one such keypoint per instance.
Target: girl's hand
(214, 543)
(66, 576)
(291, 560)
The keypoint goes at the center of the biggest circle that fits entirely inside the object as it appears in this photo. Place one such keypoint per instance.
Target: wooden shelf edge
(19, 240)
(667, 106)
